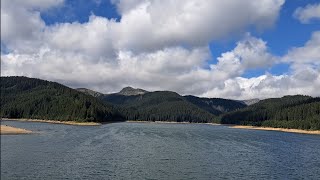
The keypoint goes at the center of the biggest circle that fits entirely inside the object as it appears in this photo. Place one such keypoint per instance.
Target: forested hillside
(158, 106)
(23, 97)
(215, 106)
(300, 112)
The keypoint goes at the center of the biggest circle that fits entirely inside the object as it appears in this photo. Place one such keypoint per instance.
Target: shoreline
(169, 122)
(300, 131)
(54, 122)
(9, 130)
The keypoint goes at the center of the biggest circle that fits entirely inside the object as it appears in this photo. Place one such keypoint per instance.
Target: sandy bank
(277, 129)
(8, 130)
(168, 122)
(56, 122)
(236, 126)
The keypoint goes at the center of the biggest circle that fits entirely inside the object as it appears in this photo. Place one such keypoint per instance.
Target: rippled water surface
(157, 151)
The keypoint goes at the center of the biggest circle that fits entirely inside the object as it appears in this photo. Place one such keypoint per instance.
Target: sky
(210, 48)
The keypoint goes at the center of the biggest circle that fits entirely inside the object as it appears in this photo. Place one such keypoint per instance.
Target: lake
(157, 151)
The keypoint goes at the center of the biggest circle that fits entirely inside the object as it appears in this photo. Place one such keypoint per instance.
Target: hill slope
(158, 106)
(299, 112)
(215, 106)
(24, 97)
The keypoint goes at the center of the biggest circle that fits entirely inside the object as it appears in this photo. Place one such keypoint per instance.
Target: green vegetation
(158, 106)
(23, 97)
(297, 112)
(215, 106)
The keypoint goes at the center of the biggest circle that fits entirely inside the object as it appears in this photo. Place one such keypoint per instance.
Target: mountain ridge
(158, 106)
(23, 97)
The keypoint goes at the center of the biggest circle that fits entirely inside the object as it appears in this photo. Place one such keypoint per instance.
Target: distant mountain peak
(130, 91)
(128, 88)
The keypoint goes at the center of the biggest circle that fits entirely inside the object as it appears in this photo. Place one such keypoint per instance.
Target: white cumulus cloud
(308, 13)
(157, 45)
(309, 53)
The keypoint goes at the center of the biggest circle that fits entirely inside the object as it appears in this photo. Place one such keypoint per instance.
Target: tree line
(298, 112)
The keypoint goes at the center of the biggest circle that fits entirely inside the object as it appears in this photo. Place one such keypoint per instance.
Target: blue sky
(266, 48)
(80, 10)
(286, 33)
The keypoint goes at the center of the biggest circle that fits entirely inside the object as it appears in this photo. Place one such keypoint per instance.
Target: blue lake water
(157, 151)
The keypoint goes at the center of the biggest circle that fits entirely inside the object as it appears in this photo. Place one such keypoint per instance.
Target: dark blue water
(157, 151)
